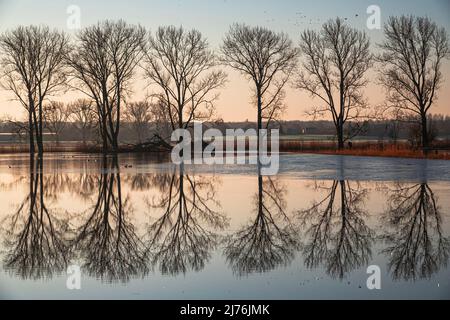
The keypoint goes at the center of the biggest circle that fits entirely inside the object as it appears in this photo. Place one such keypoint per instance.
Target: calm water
(141, 227)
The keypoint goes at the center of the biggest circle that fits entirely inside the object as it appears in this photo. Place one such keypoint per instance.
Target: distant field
(330, 138)
(319, 137)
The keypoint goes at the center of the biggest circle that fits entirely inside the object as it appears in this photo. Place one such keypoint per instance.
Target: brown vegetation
(441, 150)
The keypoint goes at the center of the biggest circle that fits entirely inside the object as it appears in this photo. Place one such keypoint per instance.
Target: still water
(143, 228)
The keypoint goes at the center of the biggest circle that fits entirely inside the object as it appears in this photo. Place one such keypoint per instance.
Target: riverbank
(439, 151)
(389, 152)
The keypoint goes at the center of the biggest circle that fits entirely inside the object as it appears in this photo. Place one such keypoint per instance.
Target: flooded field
(142, 228)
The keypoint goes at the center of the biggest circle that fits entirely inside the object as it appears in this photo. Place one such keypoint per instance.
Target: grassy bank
(440, 150)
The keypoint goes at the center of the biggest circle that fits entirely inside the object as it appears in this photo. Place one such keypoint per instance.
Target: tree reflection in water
(269, 240)
(107, 241)
(336, 235)
(41, 240)
(183, 237)
(82, 185)
(417, 247)
(37, 238)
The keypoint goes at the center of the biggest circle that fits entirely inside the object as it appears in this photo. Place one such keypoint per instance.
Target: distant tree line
(331, 64)
(132, 132)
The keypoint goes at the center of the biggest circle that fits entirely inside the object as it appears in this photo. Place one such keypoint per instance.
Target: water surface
(141, 227)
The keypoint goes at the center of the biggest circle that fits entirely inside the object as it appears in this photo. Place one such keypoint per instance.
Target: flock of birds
(301, 19)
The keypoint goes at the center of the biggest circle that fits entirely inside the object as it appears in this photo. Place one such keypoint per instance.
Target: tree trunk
(115, 143)
(258, 144)
(36, 129)
(181, 183)
(115, 137)
(30, 132)
(104, 134)
(260, 191)
(425, 142)
(341, 114)
(340, 135)
(343, 208)
(40, 137)
(180, 126)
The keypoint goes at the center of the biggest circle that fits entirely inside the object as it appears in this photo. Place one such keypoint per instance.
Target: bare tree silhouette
(417, 247)
(140, 181)
(55, 115)
(180, 64)
(32, 61)
(104, 62)
(81, 185)
(182, 238)
(267, 59)
(270, 239)
(83, 114)
(335, 61)
(335, 231)
(37, 238)
(139, 115)
(107, 241)
(412, 56)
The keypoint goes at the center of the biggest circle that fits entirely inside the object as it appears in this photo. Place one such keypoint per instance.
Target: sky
(213, 18)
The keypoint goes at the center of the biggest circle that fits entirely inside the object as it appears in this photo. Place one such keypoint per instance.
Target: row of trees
(81, 115)
(102, 61)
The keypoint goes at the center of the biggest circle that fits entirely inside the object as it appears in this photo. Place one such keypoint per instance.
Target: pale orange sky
(213, 18)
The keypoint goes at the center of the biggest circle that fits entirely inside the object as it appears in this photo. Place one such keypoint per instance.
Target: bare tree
(37, 238)
(161, 121)
(417, 246)
(33, 69)
(107, 240)
(55, 118)
(183, 236)
(83, 114)
(413, 51)
(265, 57)
(334, 63)
(335, 231)
(104, 61)
(139, 114)
(274, 111)
(180, 64)
(269, 240)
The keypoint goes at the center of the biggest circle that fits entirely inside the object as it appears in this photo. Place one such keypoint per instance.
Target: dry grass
(372, 149)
